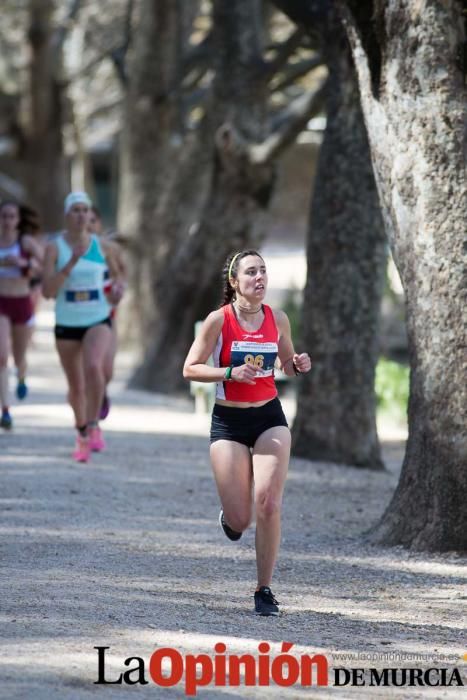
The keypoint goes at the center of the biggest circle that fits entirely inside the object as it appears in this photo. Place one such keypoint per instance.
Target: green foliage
(392, 387)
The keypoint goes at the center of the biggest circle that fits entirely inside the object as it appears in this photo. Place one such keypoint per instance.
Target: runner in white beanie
(74, 274)
(76, 198)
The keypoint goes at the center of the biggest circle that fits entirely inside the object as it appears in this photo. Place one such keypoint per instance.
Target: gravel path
(125, 553)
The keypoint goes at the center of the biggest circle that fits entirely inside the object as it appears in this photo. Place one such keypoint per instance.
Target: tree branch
(194, 78)
(308, 15)
(196, 63)
(291, 121)
(194, 67)
(305, 13)
(196, 98)
(63, 30)
(284, 51)
(118, 58)
(107, 53)
(295, 71)
(118, 55)
(198, 55)
(104, 109)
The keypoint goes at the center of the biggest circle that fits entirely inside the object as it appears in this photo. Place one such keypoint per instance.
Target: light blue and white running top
(81, 300)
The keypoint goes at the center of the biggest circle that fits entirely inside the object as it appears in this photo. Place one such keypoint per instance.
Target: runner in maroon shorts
(20, 257)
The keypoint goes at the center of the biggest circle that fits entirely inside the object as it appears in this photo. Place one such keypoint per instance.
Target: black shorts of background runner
(245, 425)
(78, 332)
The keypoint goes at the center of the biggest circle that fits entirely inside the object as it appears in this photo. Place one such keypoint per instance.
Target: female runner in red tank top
(250, 439)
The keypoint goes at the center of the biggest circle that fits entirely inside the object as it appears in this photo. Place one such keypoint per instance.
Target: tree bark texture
(346, 258)
(155, 152)
(47, 177)
(195, 197)
(411, 70)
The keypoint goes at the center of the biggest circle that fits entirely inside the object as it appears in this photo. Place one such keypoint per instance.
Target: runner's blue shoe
(6, 421)
(21, 389)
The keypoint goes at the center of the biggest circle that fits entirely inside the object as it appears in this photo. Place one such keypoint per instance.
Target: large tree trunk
(191, 285)
(411, 75)
(47, 175)
(346, 260)
(151, 145)
(207, 207)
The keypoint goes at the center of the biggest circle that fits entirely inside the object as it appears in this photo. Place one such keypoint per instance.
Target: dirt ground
(125, 552)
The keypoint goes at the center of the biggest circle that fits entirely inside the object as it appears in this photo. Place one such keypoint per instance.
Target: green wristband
(228, 374)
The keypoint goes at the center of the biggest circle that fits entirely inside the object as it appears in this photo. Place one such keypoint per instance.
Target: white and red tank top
(13, 250)
(237, 346)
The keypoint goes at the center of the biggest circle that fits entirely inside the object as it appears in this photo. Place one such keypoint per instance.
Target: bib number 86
(255, 360)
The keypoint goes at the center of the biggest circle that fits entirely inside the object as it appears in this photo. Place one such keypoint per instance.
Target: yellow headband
(232, 263)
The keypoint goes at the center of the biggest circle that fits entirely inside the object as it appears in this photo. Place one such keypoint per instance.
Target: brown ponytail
(28, 220)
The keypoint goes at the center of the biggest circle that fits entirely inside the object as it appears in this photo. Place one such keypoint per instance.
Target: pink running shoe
(96, 441)
(82, 451)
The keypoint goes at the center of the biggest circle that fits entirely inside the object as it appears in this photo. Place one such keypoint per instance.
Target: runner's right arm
(195, 367)
(53, 279)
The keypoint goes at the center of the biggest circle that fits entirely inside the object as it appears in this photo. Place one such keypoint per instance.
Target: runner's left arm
(291, 362)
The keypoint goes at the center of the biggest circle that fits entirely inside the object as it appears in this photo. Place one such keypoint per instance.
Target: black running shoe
(265, 603)
(231, 534)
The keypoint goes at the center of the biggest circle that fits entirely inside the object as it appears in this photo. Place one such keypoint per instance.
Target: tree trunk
(411, 74)
(46, 168)
(191, 285)
(159, 160)
(346, 260)
(208, 206)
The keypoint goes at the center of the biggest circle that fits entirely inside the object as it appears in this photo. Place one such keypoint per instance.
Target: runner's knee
(238, 521)
(267, 503)
(94, 370)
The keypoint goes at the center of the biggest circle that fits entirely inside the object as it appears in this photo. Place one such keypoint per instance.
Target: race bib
(82, 295)
(262, 356)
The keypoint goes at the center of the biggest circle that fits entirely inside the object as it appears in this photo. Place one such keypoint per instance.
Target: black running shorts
(78, 332)
(245, 425)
